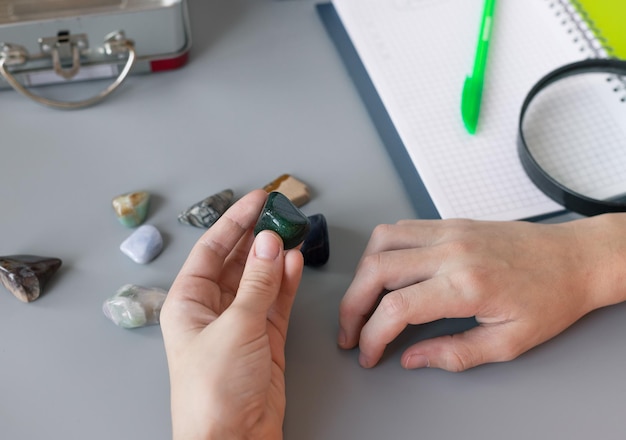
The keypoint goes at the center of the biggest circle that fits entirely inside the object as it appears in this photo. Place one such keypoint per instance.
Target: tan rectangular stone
(295, 190)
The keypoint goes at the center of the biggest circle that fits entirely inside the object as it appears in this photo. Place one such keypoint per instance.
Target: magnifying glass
(572, 136)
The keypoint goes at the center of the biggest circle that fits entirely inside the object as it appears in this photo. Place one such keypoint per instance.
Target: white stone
(135, 306)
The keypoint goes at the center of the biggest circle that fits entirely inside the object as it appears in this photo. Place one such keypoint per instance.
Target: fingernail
(341, 338)
(416, 361)
(364, 361)
(266, 246)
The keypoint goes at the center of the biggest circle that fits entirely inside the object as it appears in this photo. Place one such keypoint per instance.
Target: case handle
(115, 44)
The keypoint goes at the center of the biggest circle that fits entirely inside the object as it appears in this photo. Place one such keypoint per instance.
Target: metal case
(52, 41)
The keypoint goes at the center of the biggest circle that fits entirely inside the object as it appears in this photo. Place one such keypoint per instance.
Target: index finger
(429, 301)
(379, 273)
(206, 259)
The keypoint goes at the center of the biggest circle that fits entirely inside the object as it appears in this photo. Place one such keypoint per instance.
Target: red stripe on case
(170, 63)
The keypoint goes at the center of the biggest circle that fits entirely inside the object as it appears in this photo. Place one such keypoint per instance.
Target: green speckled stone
(284, 218)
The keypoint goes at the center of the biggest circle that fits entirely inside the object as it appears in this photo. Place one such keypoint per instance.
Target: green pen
(473, 87)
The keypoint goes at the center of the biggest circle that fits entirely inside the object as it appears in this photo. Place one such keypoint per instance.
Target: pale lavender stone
(143, 245)
(135, 306)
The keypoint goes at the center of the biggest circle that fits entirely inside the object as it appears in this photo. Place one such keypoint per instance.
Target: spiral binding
(587, 37)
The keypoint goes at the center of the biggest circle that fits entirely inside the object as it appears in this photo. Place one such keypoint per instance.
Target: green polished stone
(132, 208)
(284, 218)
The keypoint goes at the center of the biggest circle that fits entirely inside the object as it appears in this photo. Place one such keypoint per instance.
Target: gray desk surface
(265, 93)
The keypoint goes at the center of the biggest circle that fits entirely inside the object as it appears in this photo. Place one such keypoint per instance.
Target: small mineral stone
(143, 245)
(132, 208)
(294, 189)
(284, 218)
(26, 275)
(135, 306)
(206, 212)
(316, 248)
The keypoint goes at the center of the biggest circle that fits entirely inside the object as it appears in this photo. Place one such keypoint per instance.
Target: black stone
(316, 247)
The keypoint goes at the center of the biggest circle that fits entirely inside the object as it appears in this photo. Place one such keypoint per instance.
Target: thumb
(462, 351)
(262, 276)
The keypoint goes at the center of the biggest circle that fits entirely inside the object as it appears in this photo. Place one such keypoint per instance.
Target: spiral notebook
(409, 58)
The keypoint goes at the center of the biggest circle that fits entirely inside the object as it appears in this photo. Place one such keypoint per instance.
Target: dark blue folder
(416, 190)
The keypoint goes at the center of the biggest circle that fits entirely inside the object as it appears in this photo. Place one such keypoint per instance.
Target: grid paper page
(418, 52)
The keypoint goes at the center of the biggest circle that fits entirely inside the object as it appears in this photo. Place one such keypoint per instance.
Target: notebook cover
(607, 18)
(415, 188)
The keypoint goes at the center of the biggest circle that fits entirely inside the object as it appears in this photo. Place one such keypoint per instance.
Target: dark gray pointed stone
(26, 275)
(206, 212)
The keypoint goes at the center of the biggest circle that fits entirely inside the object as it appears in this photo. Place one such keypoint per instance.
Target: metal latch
(65, 50)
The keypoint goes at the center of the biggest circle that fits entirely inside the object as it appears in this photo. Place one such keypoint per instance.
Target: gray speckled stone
(206, 212)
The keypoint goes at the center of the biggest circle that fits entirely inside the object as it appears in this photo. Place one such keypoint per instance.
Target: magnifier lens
(575, 130)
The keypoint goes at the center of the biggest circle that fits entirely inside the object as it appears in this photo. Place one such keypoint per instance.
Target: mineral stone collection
(135, 306)
(316, 248)
(132, 208)
(281, 216)
(206, 212)
(143, 245)
(292, 188)
(26, 275)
